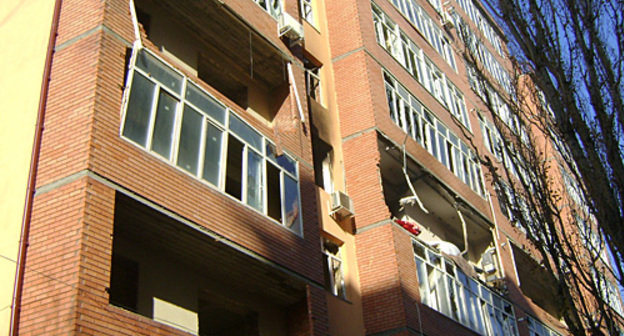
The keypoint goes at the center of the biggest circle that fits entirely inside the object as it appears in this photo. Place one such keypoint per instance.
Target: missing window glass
(124, 283)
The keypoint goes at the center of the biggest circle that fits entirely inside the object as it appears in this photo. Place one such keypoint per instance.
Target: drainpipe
(32, 175)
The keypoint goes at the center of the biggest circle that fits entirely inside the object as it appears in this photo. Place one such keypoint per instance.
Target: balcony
(210, 41)
(169, 270)
(445, 211)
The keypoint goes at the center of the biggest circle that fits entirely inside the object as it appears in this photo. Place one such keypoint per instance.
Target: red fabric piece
(409, 226)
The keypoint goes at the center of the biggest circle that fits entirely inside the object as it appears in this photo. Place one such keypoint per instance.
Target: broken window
(537, 328)
(313, 82)
(172, 117)
(334, 278)
(307, 11)
(323, 163)
(446, 288)
(273, 7)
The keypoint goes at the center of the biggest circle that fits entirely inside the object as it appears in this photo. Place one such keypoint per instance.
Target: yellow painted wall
(24, 32)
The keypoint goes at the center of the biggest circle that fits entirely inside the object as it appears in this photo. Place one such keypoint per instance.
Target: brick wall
(75, 221)
(382, 298)
(363, 177)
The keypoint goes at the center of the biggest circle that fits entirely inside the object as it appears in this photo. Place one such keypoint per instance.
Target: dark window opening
(313, 79)
(226, 319)
(233, 180)
(274, 202)
(322, 156)
(223, 80)
(124, 283)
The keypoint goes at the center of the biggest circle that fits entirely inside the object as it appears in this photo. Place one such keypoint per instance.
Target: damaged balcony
(177, 275)
(457, 263)
(536, 282)
(446, 221)
(207, 40)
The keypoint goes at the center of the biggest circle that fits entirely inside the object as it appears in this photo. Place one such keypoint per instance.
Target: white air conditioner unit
(488, 261)
(291, 28)
(341, 205)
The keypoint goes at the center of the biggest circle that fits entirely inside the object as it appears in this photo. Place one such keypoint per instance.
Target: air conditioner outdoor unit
(488, 261)
(341, 204)
(291, 28)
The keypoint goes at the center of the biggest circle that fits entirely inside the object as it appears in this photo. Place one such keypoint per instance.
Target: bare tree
(556, 143)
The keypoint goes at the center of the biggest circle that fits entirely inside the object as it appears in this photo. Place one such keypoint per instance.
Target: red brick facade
(69, 255)
(85, 163)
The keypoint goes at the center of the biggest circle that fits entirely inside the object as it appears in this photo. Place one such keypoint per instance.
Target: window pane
(283, 160)
(274, 201)
(139, 109)
(212, 154)
(244, 131)
(190, 139)
(291, 204)
(254, 180)
(337, 281)
(390, 98)
(159, 71)
(433, 150)
(453, 298)
(163, 127)
(205, 103)
(233, 173)
(432, 276)
(443, 155)
(419, 250)
(422, 281)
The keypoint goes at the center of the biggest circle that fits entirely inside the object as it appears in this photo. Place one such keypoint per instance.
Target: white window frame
(287, 166)
(273, 7)
(419, 66)
(307, 11)
(419, 123)
(460, 297)
(338, 289)
(314, 84)
(428, 28)
(538, 328)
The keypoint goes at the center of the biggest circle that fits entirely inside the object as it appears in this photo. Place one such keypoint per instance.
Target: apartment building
(256, 167)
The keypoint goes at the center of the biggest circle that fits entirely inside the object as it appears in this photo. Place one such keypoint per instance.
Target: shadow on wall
(164, 270)
(452, 304)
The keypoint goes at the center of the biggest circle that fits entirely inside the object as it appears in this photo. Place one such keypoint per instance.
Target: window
(414, 119)
(480, 21)
(313, 81)
(426, 25)
(334, 278)
(411, 57)
(591, 239)
(491, 138)
(537, 328)
(446, 289)
(489, 62)
(174, 119)
(572, 187)
(273, 7)
(609, 291)
(307, 11)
